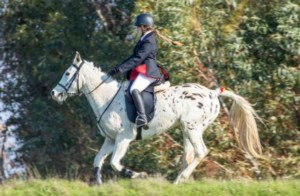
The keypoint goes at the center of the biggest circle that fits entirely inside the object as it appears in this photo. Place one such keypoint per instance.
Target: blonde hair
(146, 28)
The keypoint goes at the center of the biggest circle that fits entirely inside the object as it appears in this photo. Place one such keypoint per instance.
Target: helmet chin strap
(143, 33)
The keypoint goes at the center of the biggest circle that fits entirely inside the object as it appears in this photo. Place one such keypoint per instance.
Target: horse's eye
(67, 73)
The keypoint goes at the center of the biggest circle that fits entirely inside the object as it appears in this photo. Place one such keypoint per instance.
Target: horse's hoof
(180, 179)
(97, 176)
(142, 175)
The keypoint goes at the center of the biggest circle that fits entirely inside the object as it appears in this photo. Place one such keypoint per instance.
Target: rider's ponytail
(156, 32)
(176, 43)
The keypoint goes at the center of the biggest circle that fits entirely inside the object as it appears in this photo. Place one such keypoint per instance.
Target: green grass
(149, 187)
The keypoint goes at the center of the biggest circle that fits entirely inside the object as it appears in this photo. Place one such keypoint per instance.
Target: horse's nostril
(52, 93)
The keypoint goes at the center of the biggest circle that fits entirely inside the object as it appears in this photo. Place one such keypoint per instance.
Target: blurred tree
(40, 39)
(251, 48)
(2, 154)
(114, 15)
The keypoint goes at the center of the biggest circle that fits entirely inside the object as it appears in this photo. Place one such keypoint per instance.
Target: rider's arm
(145, 49)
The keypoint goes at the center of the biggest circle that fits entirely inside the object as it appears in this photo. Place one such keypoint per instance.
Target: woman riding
(142, 64)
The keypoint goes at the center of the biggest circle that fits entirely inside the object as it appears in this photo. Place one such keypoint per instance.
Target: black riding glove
(113, 71)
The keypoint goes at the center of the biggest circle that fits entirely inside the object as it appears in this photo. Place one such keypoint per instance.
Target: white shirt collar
(145, 35)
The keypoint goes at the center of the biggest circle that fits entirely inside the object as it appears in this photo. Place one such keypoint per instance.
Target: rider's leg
(141, 119)
(140, 84)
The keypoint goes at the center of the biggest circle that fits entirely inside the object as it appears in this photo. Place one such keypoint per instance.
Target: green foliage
(40, 39)
(154, 186)
(252, 49)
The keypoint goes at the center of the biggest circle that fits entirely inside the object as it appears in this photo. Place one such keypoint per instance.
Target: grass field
(151, 187)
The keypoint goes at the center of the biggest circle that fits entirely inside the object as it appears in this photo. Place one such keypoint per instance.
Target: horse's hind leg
(194, 135)
(188, 154)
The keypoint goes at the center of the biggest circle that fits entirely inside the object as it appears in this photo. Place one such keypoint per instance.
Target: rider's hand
(113, 71)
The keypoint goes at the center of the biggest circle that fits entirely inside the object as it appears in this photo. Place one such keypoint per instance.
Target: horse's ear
(77, 58)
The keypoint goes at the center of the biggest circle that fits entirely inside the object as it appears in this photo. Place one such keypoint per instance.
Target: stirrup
(140, 122)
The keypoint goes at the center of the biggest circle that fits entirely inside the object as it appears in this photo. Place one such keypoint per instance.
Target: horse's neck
(100, 98)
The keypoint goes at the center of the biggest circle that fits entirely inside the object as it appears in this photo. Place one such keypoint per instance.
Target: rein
(69, 84)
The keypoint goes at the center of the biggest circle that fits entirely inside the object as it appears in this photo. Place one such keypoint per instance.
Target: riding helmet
(143, 19)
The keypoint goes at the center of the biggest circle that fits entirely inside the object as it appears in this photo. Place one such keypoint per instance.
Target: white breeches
(141, 83)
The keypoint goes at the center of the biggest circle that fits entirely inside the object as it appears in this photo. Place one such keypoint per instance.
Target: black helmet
(143, 19)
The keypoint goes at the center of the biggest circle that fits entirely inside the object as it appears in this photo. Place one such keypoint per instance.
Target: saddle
(149, 99)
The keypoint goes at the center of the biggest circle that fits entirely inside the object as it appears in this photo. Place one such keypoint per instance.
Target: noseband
(76, 74)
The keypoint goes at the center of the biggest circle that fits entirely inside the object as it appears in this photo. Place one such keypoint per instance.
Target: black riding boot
(141, 120)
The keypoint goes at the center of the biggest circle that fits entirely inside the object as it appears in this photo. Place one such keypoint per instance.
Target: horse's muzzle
(57, 96)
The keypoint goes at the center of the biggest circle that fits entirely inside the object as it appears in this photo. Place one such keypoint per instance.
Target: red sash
(135, 72)
(142, 70)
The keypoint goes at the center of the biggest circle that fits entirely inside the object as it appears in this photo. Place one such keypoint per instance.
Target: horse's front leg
(121, 146)
(105, 150)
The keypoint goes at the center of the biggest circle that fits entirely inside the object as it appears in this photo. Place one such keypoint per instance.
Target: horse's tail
(242, 118)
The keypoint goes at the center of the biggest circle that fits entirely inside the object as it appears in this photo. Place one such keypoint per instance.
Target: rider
(141, 65)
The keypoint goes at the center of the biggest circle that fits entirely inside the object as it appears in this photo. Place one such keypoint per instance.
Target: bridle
(76, 75)
(70, 82)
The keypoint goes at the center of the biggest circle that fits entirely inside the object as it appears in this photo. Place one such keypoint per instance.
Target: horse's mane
(98, 69)
(92, 66)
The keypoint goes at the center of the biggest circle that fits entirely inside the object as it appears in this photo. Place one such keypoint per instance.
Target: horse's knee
(200, 154)
(197, 158)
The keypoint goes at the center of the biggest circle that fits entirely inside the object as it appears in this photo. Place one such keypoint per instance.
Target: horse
(191, 106)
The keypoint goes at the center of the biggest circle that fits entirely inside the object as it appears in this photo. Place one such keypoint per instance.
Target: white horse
(192, 106)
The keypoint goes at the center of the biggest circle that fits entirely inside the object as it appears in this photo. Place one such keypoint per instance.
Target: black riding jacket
(143, 53)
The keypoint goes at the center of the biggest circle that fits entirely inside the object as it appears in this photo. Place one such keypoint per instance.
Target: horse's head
(69, 84)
